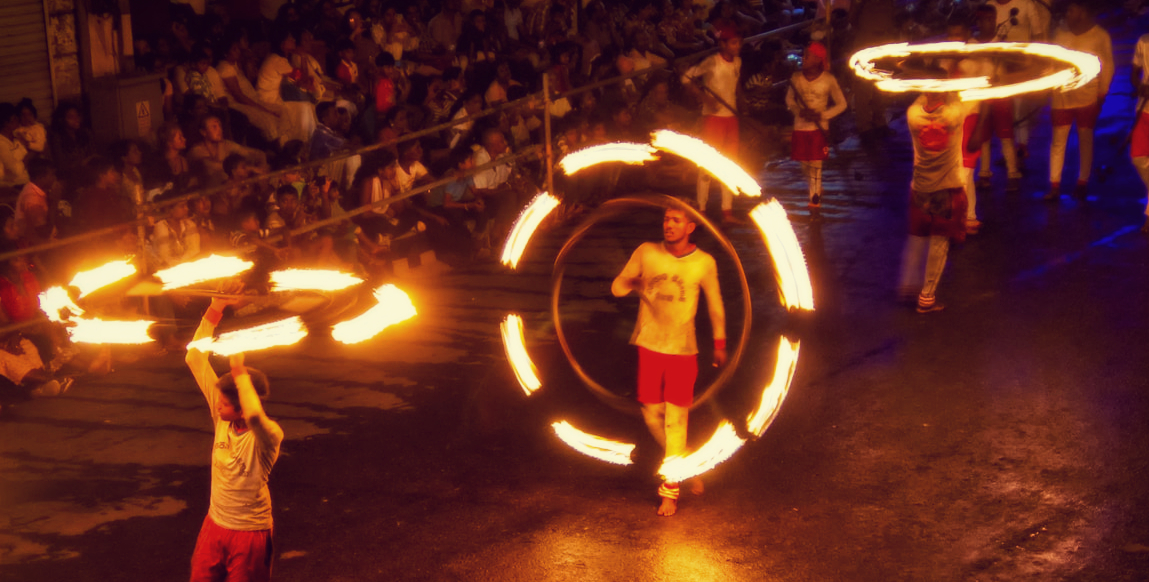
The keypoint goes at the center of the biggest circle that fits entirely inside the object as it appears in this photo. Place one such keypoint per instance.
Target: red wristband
(720, 344)
(213, 316)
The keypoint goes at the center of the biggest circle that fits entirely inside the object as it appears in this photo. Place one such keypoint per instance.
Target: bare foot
(696, 487)
(668, 508)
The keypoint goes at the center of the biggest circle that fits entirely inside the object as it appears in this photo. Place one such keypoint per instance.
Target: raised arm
(266, 430)
(197, 360)
(717, 311)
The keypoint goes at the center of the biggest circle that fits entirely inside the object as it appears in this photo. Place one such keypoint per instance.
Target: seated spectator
(201, 78)
(175, 237)
(446, 27)
(392, 86)
(501, 190)
(251, 242)
(329, 140)
(31, 132)
(313, 80)
(210, 154)
(242, 96)
(13, 174)
(395, 125)
(312, 247)
(70, 141)
(525, 119)
(476, 45)
(227, 205)
(347, 72)
(497, 91)
(100, 205)
(442, 96)
(175, 168)
(296, 118)
(32, 216)
(465, 212)
(460, 133)
(20, 360)
(128, 157)
(201, 215)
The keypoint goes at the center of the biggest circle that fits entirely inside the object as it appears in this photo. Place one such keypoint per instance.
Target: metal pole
(547, 135)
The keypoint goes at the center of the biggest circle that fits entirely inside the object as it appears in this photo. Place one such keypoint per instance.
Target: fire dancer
(937, 196)
(1082, 105)
(811, 91)
(718, 75)
(667, 277)
(235, 542)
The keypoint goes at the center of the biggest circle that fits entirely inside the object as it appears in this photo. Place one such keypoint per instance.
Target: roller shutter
(25, 68)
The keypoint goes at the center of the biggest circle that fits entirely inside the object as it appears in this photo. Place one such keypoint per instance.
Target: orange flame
(393, 307)
(312, 280)
(528, 221)
(99, 331)
(594, 446)
(205, 269)
(789, 264)
(706, 157)
(516, 348)
(284, 332)
(54, 301)
(102, 276)
(627, 153)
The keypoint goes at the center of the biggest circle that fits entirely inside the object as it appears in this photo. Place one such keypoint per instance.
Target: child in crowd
(31, 132)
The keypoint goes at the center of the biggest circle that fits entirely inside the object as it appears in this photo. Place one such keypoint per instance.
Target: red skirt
(940, 213)
(809, 146)
(1139, 144)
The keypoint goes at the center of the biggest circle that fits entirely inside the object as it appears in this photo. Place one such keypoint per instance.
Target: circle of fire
(1082, 68)
(793, 278)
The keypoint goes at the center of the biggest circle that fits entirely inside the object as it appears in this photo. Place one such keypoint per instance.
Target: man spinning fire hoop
(667, 276)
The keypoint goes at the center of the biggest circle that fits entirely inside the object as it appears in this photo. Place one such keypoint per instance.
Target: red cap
(728, 32)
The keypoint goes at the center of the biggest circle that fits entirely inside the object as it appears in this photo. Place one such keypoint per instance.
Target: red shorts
(1084, 116)
(969, 159)
(721, 133)
(666, 378)
(1139, 144)
(940, 213)
(225, 554)
(809, 146)
(1001, 118)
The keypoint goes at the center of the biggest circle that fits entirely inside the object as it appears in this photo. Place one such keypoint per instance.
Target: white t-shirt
(721, 76)
(1094, 41)
(1032, 21)
(406, 181)
(227, 70)
(937, 139)
(815, 95)
(491, 177)
(670, 298)
(1141, 61)
(271, 75)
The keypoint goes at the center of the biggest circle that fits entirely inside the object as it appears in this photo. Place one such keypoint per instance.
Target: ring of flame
(794, 286)
(1084, 67)
(612, 208)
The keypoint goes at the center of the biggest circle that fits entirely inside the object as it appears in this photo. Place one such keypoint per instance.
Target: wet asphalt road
(1005, 438)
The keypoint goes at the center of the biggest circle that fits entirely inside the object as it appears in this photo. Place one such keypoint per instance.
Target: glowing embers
(1083, 68)
(284, 332)
(312, 280)
(102, 276)
(789, 264)
(201, 270)
(725, 441)
(516, 348)
(529, 220)
(706, 157)
(627, 153)
(594, 446)
(393, 307)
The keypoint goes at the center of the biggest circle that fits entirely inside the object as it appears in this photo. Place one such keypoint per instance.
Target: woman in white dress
(296, 118)
(242, 96)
